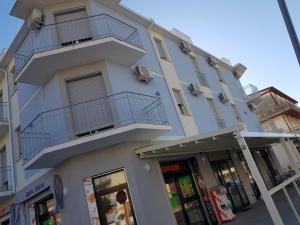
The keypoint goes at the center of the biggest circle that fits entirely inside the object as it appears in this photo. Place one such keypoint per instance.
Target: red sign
(171, 168)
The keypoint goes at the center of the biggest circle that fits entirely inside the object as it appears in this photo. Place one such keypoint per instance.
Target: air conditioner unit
(185, 47)
(223, 97)
(252, 107)
(212, 61)
(239, 70)
(195, 89)
(142, 74)
(35, 20)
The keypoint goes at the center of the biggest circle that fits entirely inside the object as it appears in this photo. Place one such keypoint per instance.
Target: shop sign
(186, 186)
(91, 201)
(35, 190)
(171, 168)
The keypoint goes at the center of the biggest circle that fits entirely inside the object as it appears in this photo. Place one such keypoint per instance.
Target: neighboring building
(118, 120)
(279, 112)
(6, 161)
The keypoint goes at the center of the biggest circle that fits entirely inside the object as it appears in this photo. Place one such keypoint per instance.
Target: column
(270, 204)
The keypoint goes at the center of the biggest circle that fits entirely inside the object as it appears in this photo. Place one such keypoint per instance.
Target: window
(160, 48)
(180, 102)
(4, 170)
(45, 212)
(113, 199)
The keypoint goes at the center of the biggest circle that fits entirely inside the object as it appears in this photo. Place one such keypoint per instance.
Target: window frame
(161, 49)
(181, 105)
(109, 190)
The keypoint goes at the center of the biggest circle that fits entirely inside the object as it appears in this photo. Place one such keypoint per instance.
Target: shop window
(45, 213)
(113, 199)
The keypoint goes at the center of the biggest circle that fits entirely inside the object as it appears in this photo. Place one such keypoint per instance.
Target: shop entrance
(227, 176)
(186, 203)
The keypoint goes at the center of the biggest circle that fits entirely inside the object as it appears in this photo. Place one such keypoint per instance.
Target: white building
(116, 120)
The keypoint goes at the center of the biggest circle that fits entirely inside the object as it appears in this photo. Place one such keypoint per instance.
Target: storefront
(38, 203)
(227, 176)
(188, 195)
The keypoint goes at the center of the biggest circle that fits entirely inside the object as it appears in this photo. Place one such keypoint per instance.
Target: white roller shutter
(90, 109)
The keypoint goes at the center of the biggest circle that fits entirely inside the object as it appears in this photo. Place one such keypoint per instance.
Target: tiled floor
(258, 214)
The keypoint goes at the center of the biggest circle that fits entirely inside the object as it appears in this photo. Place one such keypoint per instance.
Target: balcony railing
(54, 36)
(71, 122)
(6, 179)
(250, 89)
(3, 112)
(252, 94)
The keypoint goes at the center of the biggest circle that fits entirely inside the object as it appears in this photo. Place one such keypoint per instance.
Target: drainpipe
(10, 131)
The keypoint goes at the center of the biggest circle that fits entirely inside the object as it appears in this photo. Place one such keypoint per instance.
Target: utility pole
(290, 27)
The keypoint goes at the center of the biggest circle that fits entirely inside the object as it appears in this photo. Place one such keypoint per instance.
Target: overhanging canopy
(213, 141)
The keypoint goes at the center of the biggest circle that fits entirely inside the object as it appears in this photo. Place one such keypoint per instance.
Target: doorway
(227, 176)
(183, 195)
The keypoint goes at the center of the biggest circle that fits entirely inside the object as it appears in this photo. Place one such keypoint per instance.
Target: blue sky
(251, 32)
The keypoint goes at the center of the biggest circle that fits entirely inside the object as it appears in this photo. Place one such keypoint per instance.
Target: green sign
(186, 186)
(48, 222)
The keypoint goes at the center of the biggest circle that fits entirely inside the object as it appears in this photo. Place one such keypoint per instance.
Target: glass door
(228, 177)
(183, 195)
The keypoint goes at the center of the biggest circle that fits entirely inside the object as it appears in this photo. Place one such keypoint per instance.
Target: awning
(220, 140)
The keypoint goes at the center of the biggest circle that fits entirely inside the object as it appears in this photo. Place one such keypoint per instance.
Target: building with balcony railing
(108, 111)
(279, 113)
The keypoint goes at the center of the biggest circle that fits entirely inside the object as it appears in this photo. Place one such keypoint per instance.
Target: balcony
(3, 118)
(50, 48)
(252, 94)
(59, 134)
(6, 182)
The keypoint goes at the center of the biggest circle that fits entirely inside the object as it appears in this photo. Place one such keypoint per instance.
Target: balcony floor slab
(52, 156)
(41, 66)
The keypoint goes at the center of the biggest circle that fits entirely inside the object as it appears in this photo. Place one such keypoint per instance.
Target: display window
(113, 199)
(45, 213)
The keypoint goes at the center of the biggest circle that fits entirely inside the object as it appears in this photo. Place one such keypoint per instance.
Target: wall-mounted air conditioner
(239, 70)
(223, 97)
(185, 47)
(35, 20)
(143, 74)
(195, 89)
(252, 107)
(212, 61)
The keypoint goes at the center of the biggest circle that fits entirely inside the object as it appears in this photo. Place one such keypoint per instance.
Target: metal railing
(58, 35)
(220, 123)
(6, 176)
(251, 93)
(3, 111)
(71, 122)
(203, 80)
(250, 89)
